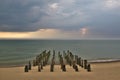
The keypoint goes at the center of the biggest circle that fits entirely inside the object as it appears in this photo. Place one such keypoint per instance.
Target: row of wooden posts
(40, 61)
(73, 60)
(67, 58)
(52, 62)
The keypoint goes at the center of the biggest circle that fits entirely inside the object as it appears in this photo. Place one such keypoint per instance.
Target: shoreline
(104, 61)
(22, 65)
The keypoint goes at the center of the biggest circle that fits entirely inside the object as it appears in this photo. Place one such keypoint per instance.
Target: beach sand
(100, 71)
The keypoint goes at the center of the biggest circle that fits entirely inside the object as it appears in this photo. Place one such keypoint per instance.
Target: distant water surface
(18, 52)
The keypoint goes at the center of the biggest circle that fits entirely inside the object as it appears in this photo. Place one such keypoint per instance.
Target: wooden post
(74, 63)
(88, 68)
(64, 54)
(70, 63)
(79, 61)
(52, 68)
(82, 63)
(76, 59)
(76, 68)
(29, 65)
(37, 60)
(73, 66)
(63, 68)
(39, 68)
(34, 63)
(26, 68)
(85, 64)
(43, 63)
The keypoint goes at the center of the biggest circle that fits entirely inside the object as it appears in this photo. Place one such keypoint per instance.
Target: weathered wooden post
(88, 68)
(37, 60)
(70, 63)
(79, 61)
(53, 53)
(85, 64)
(82, 63)
(52, 68)
(61, 62)
(26, 68)
(61, 66)
(43, 63)
(64, 68)
(48, 56)
(34, 63)
(76, 68)
(76, 59)
(74, 63)
(73, 66)
(64, 54)
(29, 65)
(39, 68)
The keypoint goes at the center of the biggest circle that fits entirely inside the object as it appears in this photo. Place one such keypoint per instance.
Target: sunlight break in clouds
(84, 30)
(42, 33)
(45, 34)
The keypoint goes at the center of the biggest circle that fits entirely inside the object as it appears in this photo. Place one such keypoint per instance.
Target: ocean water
(18, 52)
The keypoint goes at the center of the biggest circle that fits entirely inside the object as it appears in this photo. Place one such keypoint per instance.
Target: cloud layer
(100, 17)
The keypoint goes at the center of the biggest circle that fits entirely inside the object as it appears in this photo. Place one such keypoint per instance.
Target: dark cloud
(19, 15)
(101, 17)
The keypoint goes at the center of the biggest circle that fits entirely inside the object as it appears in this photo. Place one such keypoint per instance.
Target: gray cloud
(20, 15)
(102, 17)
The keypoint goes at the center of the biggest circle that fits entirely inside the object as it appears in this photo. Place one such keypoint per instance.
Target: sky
(59, 19)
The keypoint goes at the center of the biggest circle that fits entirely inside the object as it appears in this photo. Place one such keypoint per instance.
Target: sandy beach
(100, 71)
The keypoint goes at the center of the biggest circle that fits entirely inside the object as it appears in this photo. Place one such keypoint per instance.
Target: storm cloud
(101, 17)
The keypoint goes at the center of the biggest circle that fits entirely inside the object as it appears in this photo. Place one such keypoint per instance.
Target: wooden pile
(74, 61)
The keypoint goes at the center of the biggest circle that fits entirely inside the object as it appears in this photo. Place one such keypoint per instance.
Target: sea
(19, 52)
